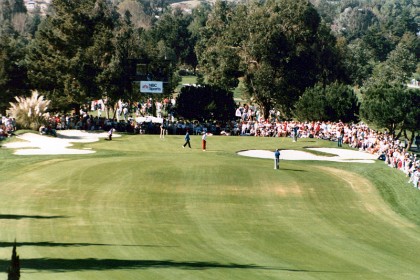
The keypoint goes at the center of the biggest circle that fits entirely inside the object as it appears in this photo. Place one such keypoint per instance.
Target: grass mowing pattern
(144, 208)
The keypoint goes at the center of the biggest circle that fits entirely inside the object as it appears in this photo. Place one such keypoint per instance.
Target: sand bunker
(36, 144)
(342, 155)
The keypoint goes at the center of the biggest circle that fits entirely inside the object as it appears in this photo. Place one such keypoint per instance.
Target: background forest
(317, 60)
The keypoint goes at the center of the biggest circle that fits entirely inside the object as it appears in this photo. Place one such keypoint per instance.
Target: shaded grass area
(318, 153)
(106, 264)
(145, 208)
(18, 217)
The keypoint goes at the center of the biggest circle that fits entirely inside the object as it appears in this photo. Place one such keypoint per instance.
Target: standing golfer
(187, 140)
(204, 141)
(276, 159)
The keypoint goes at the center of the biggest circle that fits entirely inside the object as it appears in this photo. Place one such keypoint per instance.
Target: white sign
(149, 119)
(151, 87)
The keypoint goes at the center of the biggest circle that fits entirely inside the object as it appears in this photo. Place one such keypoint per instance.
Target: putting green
(145, 208)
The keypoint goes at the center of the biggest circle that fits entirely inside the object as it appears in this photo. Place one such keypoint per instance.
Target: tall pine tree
(71, 51)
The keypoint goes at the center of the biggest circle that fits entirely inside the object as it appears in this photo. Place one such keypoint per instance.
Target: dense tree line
(206, 103)
(295, 56)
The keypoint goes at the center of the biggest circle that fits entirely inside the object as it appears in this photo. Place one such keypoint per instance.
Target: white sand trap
(36, 144)
(342, 155)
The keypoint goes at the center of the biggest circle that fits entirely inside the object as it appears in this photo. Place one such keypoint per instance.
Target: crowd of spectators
(249, 122)
(7, 127)
(394, 152)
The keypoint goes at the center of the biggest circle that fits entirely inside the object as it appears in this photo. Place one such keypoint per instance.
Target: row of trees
(81, 51)
(278, 48)
(301, 58)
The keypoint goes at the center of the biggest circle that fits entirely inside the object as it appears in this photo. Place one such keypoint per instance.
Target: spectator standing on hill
(415, 178)
(187, 140)
(238, 114)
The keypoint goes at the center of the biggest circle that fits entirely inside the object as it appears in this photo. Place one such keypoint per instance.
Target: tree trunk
(399, 134)
(264, 110)
(107, 111)
(77, 109)
(392, 131)
(411, 139)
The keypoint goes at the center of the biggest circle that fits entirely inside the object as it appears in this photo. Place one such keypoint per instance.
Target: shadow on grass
(19, 217)
(317, 153)
(305, 141)
(56, 244)
(63, 265)
(295, 170)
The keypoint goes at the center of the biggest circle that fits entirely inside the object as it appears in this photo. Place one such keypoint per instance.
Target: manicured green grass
(145, 208)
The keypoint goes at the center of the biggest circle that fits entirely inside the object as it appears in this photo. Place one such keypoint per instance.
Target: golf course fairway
(145, 208)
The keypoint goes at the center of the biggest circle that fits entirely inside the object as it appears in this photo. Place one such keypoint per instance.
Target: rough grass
(145, 208)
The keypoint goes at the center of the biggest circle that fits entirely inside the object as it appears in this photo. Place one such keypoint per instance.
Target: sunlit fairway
(145, 208)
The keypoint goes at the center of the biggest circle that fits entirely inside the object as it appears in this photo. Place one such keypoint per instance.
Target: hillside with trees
(288, 55)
